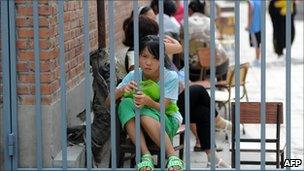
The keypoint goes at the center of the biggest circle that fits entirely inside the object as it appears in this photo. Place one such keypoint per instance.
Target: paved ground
(275, 91)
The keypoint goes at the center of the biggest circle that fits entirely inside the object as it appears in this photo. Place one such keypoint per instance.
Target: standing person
(147, 100)
(254, 28)
(277, 10)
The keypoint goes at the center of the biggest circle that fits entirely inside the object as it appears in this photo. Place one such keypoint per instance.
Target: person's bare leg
(222, 123)
(152, 128)
(218, 160)
(257, 52)
(193, 130)
(131, 130)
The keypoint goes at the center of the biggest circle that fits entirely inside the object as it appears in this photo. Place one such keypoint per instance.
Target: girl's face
(148, 63)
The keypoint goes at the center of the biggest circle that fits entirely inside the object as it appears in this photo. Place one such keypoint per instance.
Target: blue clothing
(170, 82)
(256, 16)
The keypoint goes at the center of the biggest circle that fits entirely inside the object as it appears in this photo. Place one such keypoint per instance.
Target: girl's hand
(172, 46)
(169, 39)
(141, 99)
(130, 87)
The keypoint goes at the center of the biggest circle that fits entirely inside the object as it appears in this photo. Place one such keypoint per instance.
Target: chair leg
(244, 132)
(278, 158)
(181, 142)
(132, 161)
(282, 160)
(245, 92)
(121, 160)
(158, 160)
(110, 161)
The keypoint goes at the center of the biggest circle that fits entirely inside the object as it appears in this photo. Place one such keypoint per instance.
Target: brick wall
(49, 47)
(49, 44)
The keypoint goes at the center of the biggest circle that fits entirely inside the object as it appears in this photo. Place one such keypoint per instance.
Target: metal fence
(9, 92)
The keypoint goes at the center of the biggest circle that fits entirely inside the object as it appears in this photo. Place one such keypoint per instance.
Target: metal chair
(224, 94)
(250, 113)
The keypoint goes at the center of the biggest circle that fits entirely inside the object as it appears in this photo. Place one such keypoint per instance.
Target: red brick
(25, 32)
(26, 55)
(22, 67)
(43, 22)
(45, 11)
(46, 99)
(45, 32)
(22, 1)
(24, 22)
(46, 89)
(45, 2)
(27, 99)
(22, 44)
(44, 44)
(47, 77)
(23, 89)
(26, 78)
(24, 11)
(46, 55)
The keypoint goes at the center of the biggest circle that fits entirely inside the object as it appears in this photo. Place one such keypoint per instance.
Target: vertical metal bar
(288, 80)
(137, 76)
(60, 6)
(39, 155)
(13, 79)
(112, 83)
(237, 81)
(263, 84)
(6, 84)
(162, 92)
(87, 82)
(212, 74)
(187, 92)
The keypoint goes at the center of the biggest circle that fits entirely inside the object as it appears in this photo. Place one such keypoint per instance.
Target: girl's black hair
(144, 10)
(151, 42)
(197, 6)
(146, 26)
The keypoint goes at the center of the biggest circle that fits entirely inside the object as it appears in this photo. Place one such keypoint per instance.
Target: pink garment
(179, 14)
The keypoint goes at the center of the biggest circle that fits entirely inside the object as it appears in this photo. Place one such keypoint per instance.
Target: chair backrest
(243, 74)
(250, 112)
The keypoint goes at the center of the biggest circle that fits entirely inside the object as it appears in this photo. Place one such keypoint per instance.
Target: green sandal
(146, 162)
(174, 161)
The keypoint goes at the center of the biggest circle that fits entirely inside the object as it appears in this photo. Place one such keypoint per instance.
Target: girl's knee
(146, 119)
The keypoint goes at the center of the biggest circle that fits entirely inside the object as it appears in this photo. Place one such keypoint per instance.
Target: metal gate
(10, 113)
(8, 54)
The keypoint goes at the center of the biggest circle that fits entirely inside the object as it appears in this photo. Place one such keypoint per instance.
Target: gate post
(6, 85)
